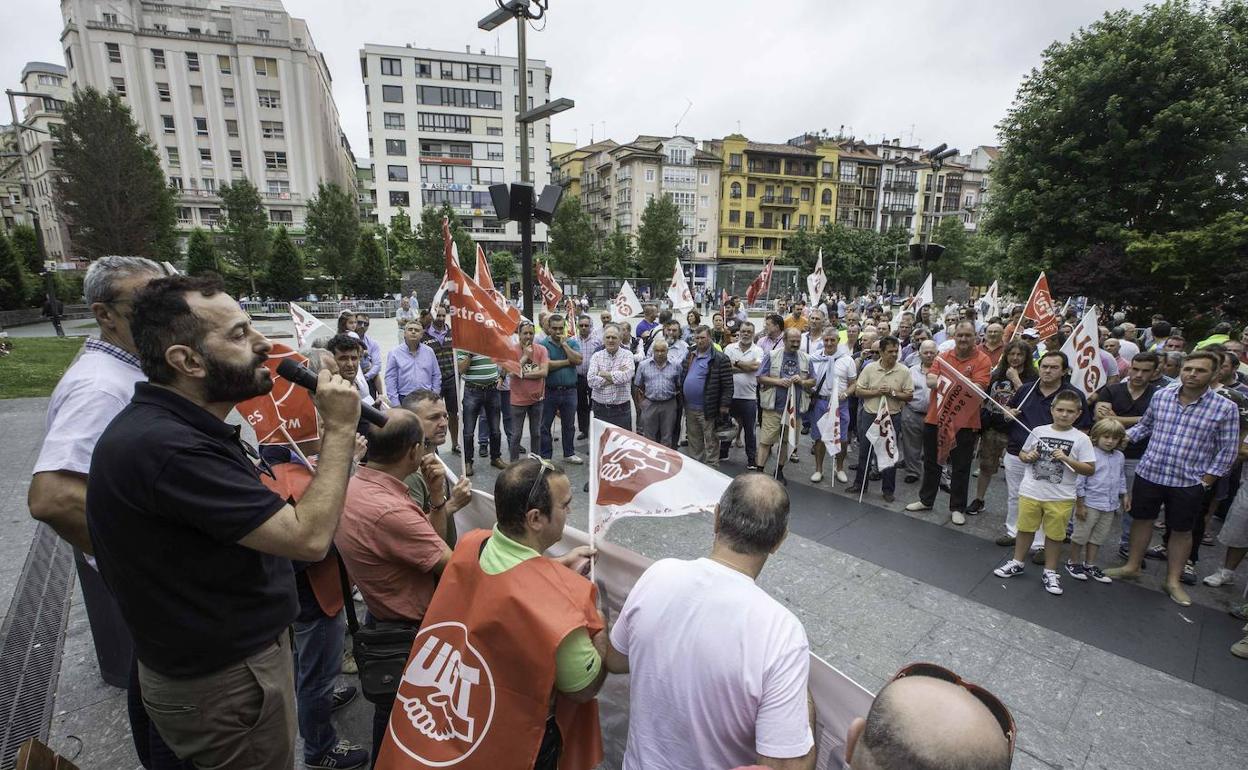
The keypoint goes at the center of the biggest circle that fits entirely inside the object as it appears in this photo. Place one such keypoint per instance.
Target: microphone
(304, 378)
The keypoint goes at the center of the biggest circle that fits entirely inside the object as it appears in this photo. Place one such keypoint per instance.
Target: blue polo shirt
(566, 376)
(695, 378)
(1036, 412)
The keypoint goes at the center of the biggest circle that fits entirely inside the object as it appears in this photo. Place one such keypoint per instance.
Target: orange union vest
(290, 481)
(476, 690)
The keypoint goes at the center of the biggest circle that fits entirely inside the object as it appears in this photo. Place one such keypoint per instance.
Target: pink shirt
(529, 389)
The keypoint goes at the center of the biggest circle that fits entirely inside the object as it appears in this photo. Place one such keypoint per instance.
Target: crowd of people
(233, 569)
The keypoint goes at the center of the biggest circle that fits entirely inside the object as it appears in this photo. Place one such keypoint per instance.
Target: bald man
(924, 723)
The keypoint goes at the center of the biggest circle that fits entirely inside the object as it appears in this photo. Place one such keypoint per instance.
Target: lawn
(35, 364)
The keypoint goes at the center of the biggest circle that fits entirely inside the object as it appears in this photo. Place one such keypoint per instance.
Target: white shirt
(719, 670)
(811, 345)
(844, 371)
(1128, 349)
(744, 384)
(1049, 479)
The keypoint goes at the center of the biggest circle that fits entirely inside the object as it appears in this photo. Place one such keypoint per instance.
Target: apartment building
(899, 184)
(226, 89)
(976, 181)
(569, 165)
(366, 190)
(940, 196)
(442, 128)
(769, 191)
(41, 123)
(12, 195)
(597, 185)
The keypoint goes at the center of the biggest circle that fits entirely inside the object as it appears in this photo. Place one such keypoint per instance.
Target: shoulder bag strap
(348, 604)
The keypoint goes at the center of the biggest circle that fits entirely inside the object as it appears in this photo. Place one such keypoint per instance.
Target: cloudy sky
(926, 71)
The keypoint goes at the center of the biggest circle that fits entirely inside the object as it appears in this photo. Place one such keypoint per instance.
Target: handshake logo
(629, 464)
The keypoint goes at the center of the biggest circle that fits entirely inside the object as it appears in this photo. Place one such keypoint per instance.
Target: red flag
(285, 406)
(486, 282)
(551, 293)
(481, 326)
(761, 284)
(723, 296)
(1040, 309)
(954, 405)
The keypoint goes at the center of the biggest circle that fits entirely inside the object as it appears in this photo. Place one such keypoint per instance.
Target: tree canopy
(370, 270)
(285, 276)
(245, 230)
(201, 253)
(333, 224)
(572, 240)
(13, 280)
(658, 239)
(426, 246)
(618, 257)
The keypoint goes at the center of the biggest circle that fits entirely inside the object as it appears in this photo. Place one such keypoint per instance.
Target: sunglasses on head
(546, 465)
(994, 705)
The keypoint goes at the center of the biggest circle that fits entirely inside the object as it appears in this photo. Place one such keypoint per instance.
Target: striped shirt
(658, 383)
(481, 369)
(1186, 442)
(621, 368)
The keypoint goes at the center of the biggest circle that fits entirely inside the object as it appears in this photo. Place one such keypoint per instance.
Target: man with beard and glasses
(195, 548)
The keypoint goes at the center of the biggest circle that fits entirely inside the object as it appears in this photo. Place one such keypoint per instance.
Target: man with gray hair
(90, 394)
(719, 668)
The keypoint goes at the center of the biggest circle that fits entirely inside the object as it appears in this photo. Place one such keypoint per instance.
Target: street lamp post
(936, 158)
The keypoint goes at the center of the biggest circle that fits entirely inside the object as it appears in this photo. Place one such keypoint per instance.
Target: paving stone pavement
(1077, 706)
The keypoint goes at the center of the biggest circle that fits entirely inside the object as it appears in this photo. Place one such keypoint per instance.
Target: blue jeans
(478, 401)
(318, 659)
(563, 401)
(516, 438)
(888, 476)
(504, 410)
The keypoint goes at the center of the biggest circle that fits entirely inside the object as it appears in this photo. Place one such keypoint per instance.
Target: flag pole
(593, 495)
(294, 447)
(464, 434)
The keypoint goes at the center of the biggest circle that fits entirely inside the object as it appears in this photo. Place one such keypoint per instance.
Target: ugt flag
(988, 305)
(761, 284)
(830, 423)
(1082, 350)
(817, 281)
(305, 324)
(1040, 309)
(626, 305)
(481, 326)
(286, 413)
(634, 476)
(546, 283)
(955, 404)
(792, 423)
(883, 438)
(678, 290)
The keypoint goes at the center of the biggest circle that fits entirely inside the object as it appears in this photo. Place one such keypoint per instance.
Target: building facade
(12, 190)
(899, 185)
(366, 190)
(226, 89)
(976, 182)
(442, 128)
(41, 124)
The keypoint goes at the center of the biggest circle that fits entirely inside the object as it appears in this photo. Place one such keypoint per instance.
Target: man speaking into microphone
(194, 547)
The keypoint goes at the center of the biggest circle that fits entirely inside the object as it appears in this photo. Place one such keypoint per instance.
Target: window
(227, 97)
(236, 159)
(459, 97)
(119, 85)
(423, 69)
(175, 183)
(649, 175)
(826, 197)
(393, 120)
(803, 221)
(201, 126)
(197, 94)
(734, 161)
(827, 169)
(735, 190)
(750, 190)
(50, 80)
(158, 58)
(114, 52)
(396, 147)
(734, 217)
(701, 247)
(109, 18)
(172, 154)
(266, 66)
(396, 173)
(487, 175)
(400, 198)
(392, 94)
(704, 200)
(209, 216)
(272, 129)
(734, 241)
(749, 219)
(231, 128)
(263, 34)
(270, 99)
(805, 193)
(224, 65)
(162, 91)
(706, 179)
(192, 61)
(69, 59)
(285, 216)
(167, 122)
(391, 66)
(205, 156)
(275, 160)
(278, 187)
(444, 124)
(184, 214)
(824, 219)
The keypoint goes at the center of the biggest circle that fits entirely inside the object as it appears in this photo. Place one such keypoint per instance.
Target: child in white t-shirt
(1055, 456)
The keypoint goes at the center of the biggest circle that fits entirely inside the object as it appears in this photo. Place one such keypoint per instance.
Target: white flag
(987, 305)
(634, 476)
(678, 290)
(830, 423)
(1083, 353)
(792, 420)
(441, 292)
(305, 324)
(817, 281)
(924, 297)
(883, 438)
(626, 304)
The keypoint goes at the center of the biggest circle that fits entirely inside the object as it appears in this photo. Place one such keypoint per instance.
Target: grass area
(35, 364)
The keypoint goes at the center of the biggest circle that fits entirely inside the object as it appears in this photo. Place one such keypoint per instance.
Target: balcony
(900, 208)
(849, 179)
(113, 25)
(899, 185)
(787, 201)
(289, 196)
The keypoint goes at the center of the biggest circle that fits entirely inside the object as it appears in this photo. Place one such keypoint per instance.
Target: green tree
(333, 238)
(802, 250)
(26, 245)
(401, 240)
(245, 230)
(658, 239)
(14, 288)
(201, 253)
(1131, 130)
(503, 269)
(617, 258)
(427, 248)
(370, 270)
(572, 240)
(111, 188)
(850, 256)
(285, 277)
(1220, 248)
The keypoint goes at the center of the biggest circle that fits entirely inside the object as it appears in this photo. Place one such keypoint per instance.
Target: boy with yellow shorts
(1055, 456)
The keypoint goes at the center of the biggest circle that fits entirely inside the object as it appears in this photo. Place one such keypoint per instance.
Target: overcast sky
(927, 71)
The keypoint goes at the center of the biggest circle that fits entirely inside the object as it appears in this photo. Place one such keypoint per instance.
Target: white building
(226, 89)
(41, 123)
(442, 128)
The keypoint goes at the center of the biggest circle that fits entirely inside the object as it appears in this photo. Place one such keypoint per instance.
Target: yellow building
(769, 191)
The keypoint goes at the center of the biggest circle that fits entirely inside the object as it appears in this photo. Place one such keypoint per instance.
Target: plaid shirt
(1186, 442)
(100, 346)
(443, 348)
(621, 367)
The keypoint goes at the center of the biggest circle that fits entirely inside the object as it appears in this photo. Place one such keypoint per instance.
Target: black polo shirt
(1118, 396)
(170, 493)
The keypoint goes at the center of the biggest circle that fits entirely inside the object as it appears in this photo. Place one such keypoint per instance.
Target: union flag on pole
(481, 326)
(792, 423)
(634, 476)
(829, 424)
(626, 304)
(761, 284)
(678, 290)
(546, 283)
(1040, 309)
(486, 281)
(305, 325)
(817, 281)
(955, 405)
(883, 438)
(1082, 350)
(287, 406)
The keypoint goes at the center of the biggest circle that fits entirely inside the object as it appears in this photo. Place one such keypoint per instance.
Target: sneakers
(816, 477)
(1239, 611)
(468, 468)
(483, 450)
(975, 507)
(1009, 569)
(1188, 578)
(1052, 583)
(853, 489)
(344, 756)
(780, 476)
(1096, 574)
(1156, 552)
(1223, 577)
(574, 460)
(1077, 571)
(958, 517)
(343, 696)
(842, 477)
(918, 505)
(1240, 648)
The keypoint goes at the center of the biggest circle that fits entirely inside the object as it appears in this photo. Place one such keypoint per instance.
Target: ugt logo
(629, 465)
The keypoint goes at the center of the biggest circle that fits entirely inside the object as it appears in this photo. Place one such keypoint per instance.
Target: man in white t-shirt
(746, 356)
(718, 667)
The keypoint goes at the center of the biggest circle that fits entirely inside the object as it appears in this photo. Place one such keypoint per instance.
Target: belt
(616, 405)
(660, 400)
(478, 386)
(560, 387)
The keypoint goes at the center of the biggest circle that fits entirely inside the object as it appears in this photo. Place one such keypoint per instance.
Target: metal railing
(377, 308)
